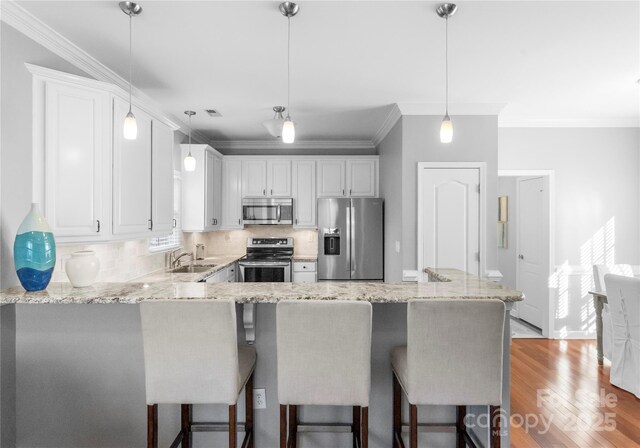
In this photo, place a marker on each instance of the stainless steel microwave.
(267, 211)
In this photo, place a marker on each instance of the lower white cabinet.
(304, 272)
(226, 275)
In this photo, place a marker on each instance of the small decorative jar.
(82, 268)
(34, 251)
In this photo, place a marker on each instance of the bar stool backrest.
(324, 352)
(454, 352)
(190, 352)
(600, 270)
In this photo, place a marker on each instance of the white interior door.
(533, 244)
(451, 218)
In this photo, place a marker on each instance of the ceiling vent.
(213, 113)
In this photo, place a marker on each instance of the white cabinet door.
(162, 179)
(254, 178)
(217, 192)
(77, 161)
(209, 192)
(193, 191)
(304, 193)
(362, 178)
(331, 178)
(232, 194)
(131, 174)
(279, 178)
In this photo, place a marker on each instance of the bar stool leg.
(494, 415)
(365, 427)
(248, 407)
(186, 425)
(293, 426)
(413, 425)
(397, 411)
(356, 427)
(461, 427)
(233, 434)
(283, 426)
(152, 426)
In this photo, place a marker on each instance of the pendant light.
(274, 126)
(288, 9)
(130, 127)
(189, 161)
(445, 11)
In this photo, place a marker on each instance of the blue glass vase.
(34, 251)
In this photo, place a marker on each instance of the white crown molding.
(454, 108)
(622, 122)
(277, 144)
(392, 118)
(22, 20)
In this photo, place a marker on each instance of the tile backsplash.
(234, 242)
(119, 262)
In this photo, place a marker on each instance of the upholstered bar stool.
(453, 357)
(191, 356)
(324, 358)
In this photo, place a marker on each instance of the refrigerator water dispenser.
(332, 242)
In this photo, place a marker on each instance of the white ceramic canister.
(82, 268)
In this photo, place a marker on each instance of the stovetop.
(269, 249)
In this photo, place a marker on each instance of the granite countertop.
(305, 258)
(453, 284)
(166, 276)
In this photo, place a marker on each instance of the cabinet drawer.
(304, 267)
(304, 277)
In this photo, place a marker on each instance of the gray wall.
(390, 150)
(507, 257)
(475, 140)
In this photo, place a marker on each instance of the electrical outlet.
(259, 399)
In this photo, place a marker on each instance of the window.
(173, 240)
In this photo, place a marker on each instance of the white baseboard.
(573, 335)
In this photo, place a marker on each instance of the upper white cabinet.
(202, 190)
(362, 178)
(356, 177)
(266, 178)
(131, 174)
(162, 179)
(77, 161)
(94, 184)
(232, 194)
(331, 178)
(304, 193)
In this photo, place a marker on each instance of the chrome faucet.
(174, 260)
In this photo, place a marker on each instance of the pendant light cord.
(130, 60)
(446, 64)
(288, 65)
(190, 135)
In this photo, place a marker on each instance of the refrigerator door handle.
(354, 267)
(349, 236)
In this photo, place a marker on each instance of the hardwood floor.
(560, 397)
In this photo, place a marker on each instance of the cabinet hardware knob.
(150, 224)
(350, 191)
(264, 192)
(98, 221)
(342, 192)
(272, 192)
(238, 221)
(175, 223)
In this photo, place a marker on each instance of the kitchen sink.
(193, 269)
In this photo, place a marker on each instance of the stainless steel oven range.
(267, 260)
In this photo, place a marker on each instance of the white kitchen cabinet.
(331, 178)
(304, 193)
(279, 178)
(232, 194)
(264, 177)
(254, 177)
(304, 272)
(131, 174)
(202, 190)
(362, 178)
(227, 274)
(77, 157)
(162, 179)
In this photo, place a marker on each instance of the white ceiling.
(549, 63)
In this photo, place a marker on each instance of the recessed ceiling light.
(213, 113)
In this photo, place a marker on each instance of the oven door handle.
(266, 264)
(278, 213)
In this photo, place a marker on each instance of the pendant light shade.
(274, 126)
(189, 161)
(445, 11)
(288, 131)
(288, 9)
(446, 130)
(130, 127)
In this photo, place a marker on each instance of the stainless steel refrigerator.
(350, 239)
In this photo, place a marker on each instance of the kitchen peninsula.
(120, 326)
